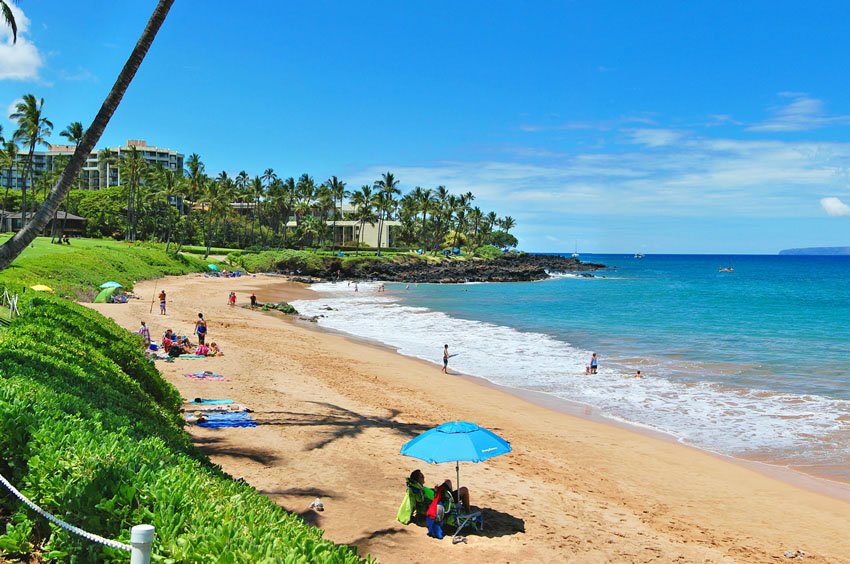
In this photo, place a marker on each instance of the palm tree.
(462, 209)
(74, 133)
(290, 194)
(8, 160)
(192, 189)
(16, 245)
(33, 129)
(131, 168)
(255, 190)
(338, 194)
(425, 200)
(475, 217)
(362, 202)
(10, 19)
(168, 184)
(507, 223)
(388, 186)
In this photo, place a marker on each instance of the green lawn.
(76, 270)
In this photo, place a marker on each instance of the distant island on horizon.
(817, 251)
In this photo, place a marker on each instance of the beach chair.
(449, 513)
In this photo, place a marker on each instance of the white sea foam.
(741, 422)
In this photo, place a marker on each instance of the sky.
(653, 127)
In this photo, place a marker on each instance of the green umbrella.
(213, 267)
(104, 295)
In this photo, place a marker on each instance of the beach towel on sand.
(204, 376)
(211, 401)
(217, 420)
(192, 356)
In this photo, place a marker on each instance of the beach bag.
(405, 511)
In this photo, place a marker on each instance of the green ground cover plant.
(90, 431)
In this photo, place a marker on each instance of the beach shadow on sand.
(215, 446)
(341, 423)
(496, 524)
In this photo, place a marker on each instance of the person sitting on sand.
(417, 477)
(187, 346)
(202, 350)
(214, 350)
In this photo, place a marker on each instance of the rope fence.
(141, 536)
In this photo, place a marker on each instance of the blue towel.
(212, 401)
(231, 419)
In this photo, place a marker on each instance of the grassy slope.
(76, 270)
(91, 431)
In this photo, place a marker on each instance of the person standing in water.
(445, 359)
(593, 366)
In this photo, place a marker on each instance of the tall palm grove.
(191, 207)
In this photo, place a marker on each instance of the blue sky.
(620, 126)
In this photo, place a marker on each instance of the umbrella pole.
(152, 299)
(457, 469)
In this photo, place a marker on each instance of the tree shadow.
(213, 446)
(341, 423)
(364, 541)
(301, 492)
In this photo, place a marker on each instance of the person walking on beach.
(162, 302)
(445, 359)
(231, 300)
(201, 329)
(593, 366)
(253, 300)
(145, 333)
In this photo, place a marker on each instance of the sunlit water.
(752, 363)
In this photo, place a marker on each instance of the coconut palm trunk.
(16, 245)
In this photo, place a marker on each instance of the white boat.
(638, 255)
(725, 269)
(575, 251)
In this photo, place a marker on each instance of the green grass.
(76, 270)
(90, 431)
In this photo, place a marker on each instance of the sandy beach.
(334, 412)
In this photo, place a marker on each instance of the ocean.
(752, 363)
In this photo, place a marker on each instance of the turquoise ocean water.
(754, 363)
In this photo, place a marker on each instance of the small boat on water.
(725, 269)
(638, 255)
(575, 251)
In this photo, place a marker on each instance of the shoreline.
(333, 414)
(836, 489)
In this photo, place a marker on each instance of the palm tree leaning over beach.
(16, 245)
(33, 129)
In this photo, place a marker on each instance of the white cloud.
(803, 113)
(655, 137)
(20, 60)
(13, 107)
(694, 177)
(834, 207)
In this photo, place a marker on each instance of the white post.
(141, 539)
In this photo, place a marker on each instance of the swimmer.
(637, 375)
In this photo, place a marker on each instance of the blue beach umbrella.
(110, 284)
(213, 267)
(456, 441)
